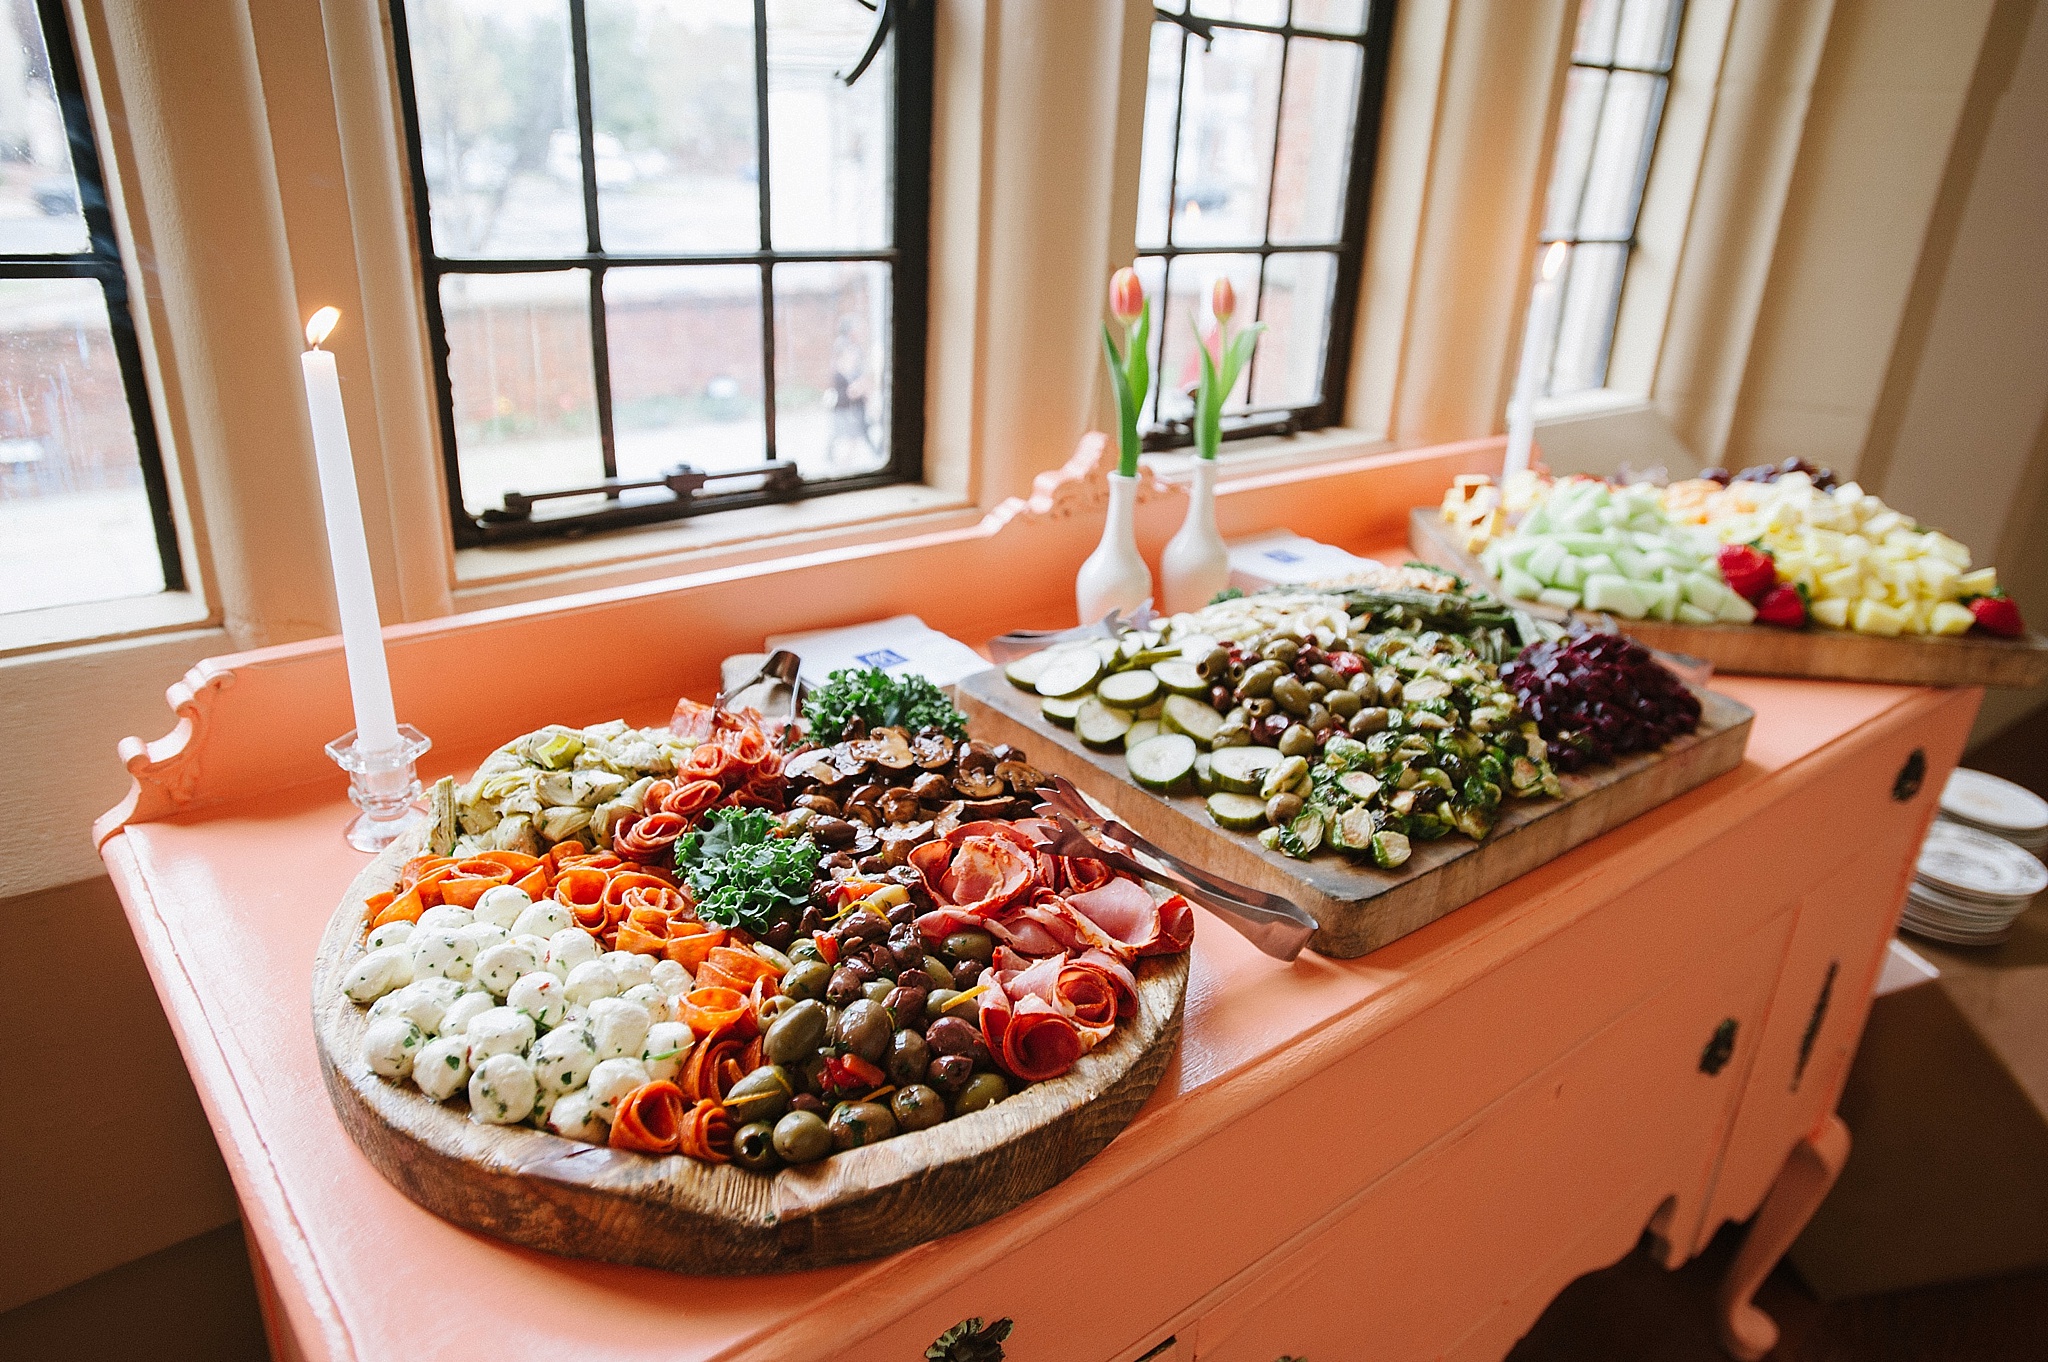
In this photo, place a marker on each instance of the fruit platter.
(740, 995)
(1380, 749)
(1778, 570)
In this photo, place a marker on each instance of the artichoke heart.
(515, 833)
(560, 822)
(634, 796)
(551, 748)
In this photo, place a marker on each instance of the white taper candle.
(1543, 305)
(369, 682)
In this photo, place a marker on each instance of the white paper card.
(1282, 556)
(897, 646)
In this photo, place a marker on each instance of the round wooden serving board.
(586, 1201)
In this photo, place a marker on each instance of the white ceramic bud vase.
(1195, 565)
(1114, 577)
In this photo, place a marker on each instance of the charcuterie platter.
(723, 998)
(1777, 572)
(1378, 752)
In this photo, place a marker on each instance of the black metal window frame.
(101, 262)
(1660, 72)
(1377, 41)
(909, 24)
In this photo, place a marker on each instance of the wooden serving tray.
(1761, 650)
(1357, 908)
(585, 1201)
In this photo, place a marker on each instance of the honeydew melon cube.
(1947, 617)
(1559, 597)
(1583, 544)
(1520, 584)
(1661, 597)
(1542, 564)
(1875, 617)
(1664, 560)
(1703, 591)
(1613, 517)
(1516, 552)
(1492, 558)
(1982, 582)
(1581, 520)
(1648, 542)
(1537, 520)
(1597, 563)
(1734, 610)
(1688, 613)
(1614, 594)
(1631, 564)
(1834, 613)
(1571, 573)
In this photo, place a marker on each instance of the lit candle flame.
(1553, 261)
(321, 324)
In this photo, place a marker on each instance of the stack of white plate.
(1969, 886)
(1999, 807)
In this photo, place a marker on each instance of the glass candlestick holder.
(383, 785)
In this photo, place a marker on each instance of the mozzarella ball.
(659, 1008)
(462, 1011)
(668, 1045)
(423, 1002)
(569, 948)
(543, 919)
(442, 951)
(611, 1080)
(501, 1091)
(591, 980)
(500, 967)
(442, 1067)
(377, 974)
(618, 1028)
(501, 907)
(390, 934)
(633, 970)
(671, 978)
(446, 915)
(486, 935)
(543, 1106)
(390, 1045)
(575, 1117)
(539, 996)
(499, 1031)
(563, 1059)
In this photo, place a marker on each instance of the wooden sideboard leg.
(1746, 1332)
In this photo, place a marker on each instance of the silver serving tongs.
(1273, 924)
(783, 666)
(1019, 642)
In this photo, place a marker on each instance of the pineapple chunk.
(1947, 617)
(1875, 617)
(1945, 547)
(1937, 575)
(1843, 581)
(1833, 613)
(1982, 582)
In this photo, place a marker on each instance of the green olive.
(1261, 708)
(805, 949)
(762, 1095)
(1318, 719)
(1258, 680)
(802, 1137)
(982, 1090)
(796, 1035)
(864, 1030)
(908, 1056)
(1364, 686)
(807, 979)
(854, 1124)
(936, 1000)
(1291, 695)
(1282, 808)
(753, 1147)
(1343, 703)
(970, 945)
(935, 970)
(1232, 735)
(917, 1107)
(1215, 664)
(1328, 677)
(1390, 689)
(877, 990)
(1297, 741)
(1369, 721)
(1282, 651)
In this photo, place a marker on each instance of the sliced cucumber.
(1060, 709)
(1025, 671)
(1128, 690)
(1238, 812)
(1162, 762)
(1152, 710)
(1191, 717)
(1181, 678)
(1071, 673)
(1141, 730)
(1241, 770)
(1205, 773)
(1101, 725)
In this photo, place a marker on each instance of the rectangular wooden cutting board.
(1761, 650)
(1357, 908)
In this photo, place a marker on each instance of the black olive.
(863, 924)
(950, 1073)
(952, 1036)
(966, 974)
(812, 922)
(845, 985)
(906, 1005)
(903, 914)
(906, 946)
(808, 1101)
(780, 935)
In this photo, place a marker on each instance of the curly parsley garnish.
(880, 700)
(742, 876)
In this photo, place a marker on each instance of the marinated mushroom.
(932, 750)
(1020, 776)
(980, 782)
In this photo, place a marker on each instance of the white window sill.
(503, 574)
(63, 626)
(1592, 402)
(1272, 454)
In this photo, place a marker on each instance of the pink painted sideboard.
(1402, 1156)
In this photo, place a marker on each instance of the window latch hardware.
(779, 478)
(1193, 23)
(885, 15)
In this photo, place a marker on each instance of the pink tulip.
(1126, 295)
(1222, 300)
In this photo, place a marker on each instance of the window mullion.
(600, 336)
(761, 170)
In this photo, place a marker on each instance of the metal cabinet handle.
(1720, 1048)
(1910, 776)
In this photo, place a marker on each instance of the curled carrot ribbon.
(650, 1119)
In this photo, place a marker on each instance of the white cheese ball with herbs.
(574, 1116)
(589, 981)
(390, 1046)
(423, 1001)
(442, 951)
(486, 935)
(659, 1007)
(633, 969)
(442, 1067)
(462, 1011)
(500, 967)
(501, 906)
(610, 1081)
(671, 978)
(500, 1031)
(618, 1028)
(540, 996)
(446, 915)
(390, 934)
(378, 973)
(501, 1090)
(543, 920)
(668, 1045)
(563, 1059)
(569, 948)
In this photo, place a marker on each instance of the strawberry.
(1750, 572)
(1997, 614)
(1782, 606)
